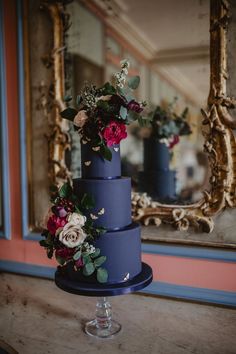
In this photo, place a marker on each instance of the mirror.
(169, 49)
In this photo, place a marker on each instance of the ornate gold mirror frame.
(220, 144)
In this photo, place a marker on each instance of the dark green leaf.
(102, 275)
(133, 82)
(67, 98)
(87, 202)
(65, 190)
(108, 89)
(123, 112)
(43, 243)
(77, 255)
(96, 253)
(106, 153)
(78, 99)
(69, 113)
(88, 269)
(50, 252)
(60, 260)
(99, 261)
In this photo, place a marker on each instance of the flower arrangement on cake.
(166, 126)
(104, 112)
(69, 235)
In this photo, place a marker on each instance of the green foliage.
(78, 100)
(67, 98)
(77, 255)
(123, 112)
(108, 89)
(69, 113)
(106, 152)
(65, 191)
(88, 269)
(99, 261)
(96, 253)
(87, 202)
(60, 260)
(102, 275)
(133, 82)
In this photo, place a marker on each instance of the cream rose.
(76, 219)
(80, 118)
(72, 235)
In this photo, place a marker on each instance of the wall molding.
(204, 295)
(5, 232)
(192, 252)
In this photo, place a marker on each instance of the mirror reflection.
(168, 48)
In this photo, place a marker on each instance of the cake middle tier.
(112, 199)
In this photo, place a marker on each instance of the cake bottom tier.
(122, 249)
(160, 185)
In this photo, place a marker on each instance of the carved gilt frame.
(220, 143)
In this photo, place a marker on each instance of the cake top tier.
(95, 166)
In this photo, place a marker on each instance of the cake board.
(103, 326)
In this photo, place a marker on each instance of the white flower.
(80, 118)
(72, 235)
(76, 219)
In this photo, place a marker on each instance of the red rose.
(114, 133)
(134, 106)
(54, 222)
(65, 253)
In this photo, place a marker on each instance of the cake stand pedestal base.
(103, 326)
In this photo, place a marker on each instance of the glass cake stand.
(103, 326)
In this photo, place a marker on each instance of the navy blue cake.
(157, 179)
(121, 243)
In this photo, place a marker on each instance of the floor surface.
(38, 318)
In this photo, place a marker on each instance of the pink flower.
(59, 211)
(114, 133)
(173, 141)
(79, 263)
(134, 106)
(54, 222)
(65, 253)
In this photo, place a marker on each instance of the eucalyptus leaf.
(77, 255)
(123, 112)
(99, 261)
(96, 253)
(102, 275)
(133, 82)
(69, 113)
(88, 269)
(86, 259)
(132, 116)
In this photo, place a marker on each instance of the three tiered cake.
(121, 243)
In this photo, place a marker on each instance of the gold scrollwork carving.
(220, 144)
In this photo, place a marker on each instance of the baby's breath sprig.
(120, 77)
